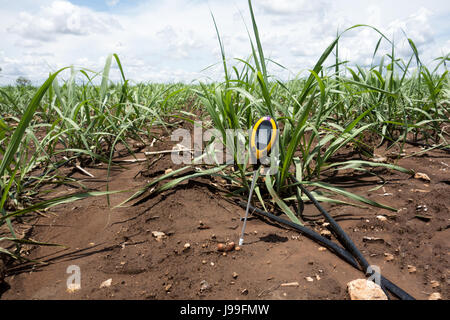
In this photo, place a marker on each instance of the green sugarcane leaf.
(280, 202)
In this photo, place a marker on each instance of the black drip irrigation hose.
(340, 234)
(341, 252)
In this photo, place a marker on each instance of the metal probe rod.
(241, 239)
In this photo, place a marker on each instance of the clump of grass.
(321, 115)
(60, 124)
(45, 128)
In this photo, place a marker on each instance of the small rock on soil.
(362, 289)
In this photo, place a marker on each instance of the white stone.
(106, 283)
(290, 284)
(435, 296)
(362, 289)
(158, 235)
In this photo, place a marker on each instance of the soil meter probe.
(262, 139)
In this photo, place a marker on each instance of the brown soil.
(117, 243)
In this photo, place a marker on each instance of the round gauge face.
(264, 134)
(263, 137)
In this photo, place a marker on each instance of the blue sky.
(175, 40)
(109, 5)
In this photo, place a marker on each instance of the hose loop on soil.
(338, 250)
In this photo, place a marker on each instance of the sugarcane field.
(206, 150)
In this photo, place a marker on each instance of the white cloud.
(288, 7)
(61, 17)
(174, 40)
(179, 41)
(112, 3)
(416, 26)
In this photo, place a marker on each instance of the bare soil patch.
(118, 244)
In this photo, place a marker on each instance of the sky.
(175, 40)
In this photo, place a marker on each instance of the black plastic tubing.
(338, 250)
